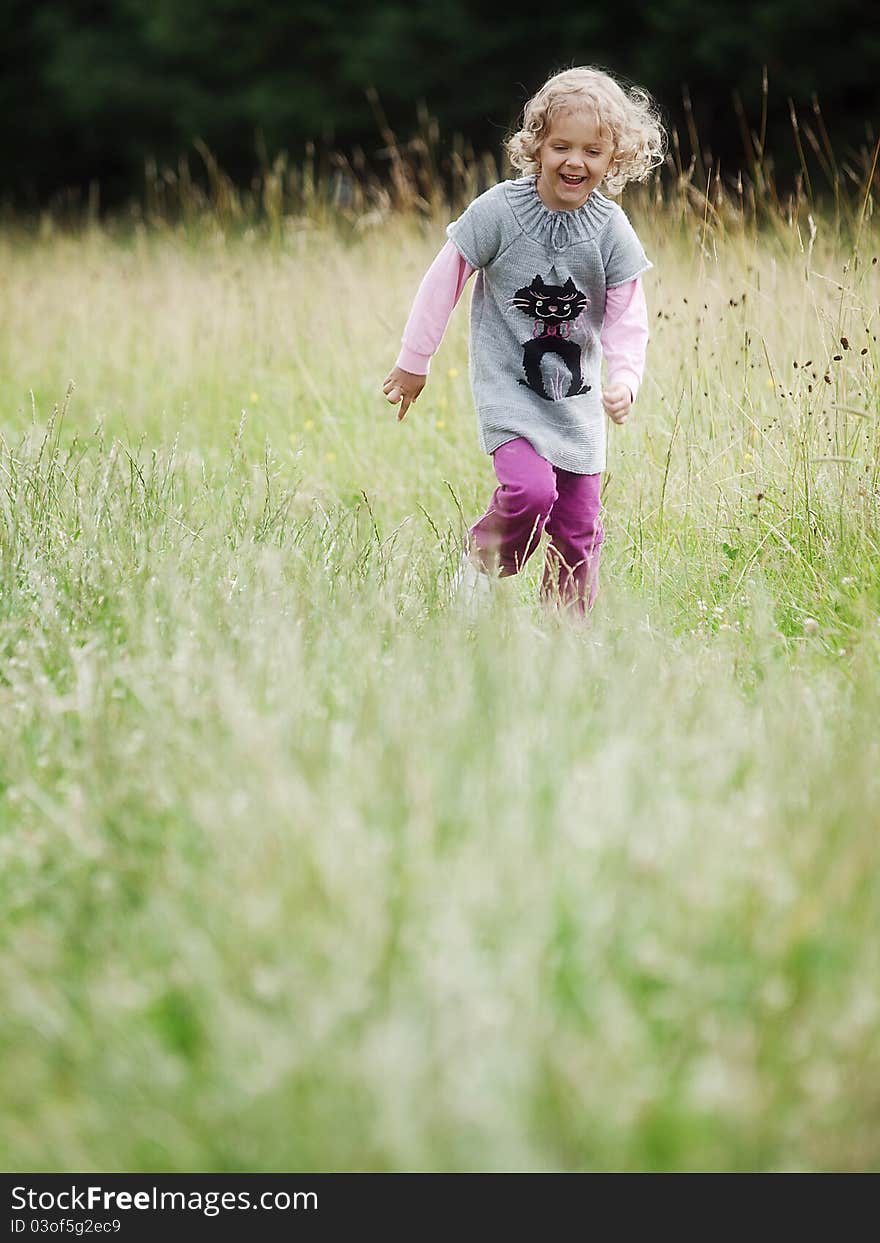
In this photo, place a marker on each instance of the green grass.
(301, 872)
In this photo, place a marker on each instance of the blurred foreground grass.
(299, 871)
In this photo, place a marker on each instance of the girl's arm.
(624, 335)
(437, 295)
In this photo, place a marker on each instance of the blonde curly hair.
(630, 116)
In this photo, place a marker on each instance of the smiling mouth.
(572, 181)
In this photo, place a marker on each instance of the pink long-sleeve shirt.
(624, 335)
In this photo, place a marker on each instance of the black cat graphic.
(554, 308)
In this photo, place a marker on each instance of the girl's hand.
(617, 400)
(404, 387)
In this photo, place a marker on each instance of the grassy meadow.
(301, 869)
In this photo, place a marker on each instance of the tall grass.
(301, 869)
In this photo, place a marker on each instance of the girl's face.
(574, 157)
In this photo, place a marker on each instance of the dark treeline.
(90, 89)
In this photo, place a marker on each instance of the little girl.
(558, 287)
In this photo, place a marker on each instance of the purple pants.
(534, 495)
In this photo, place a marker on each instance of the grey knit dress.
(536, 317)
